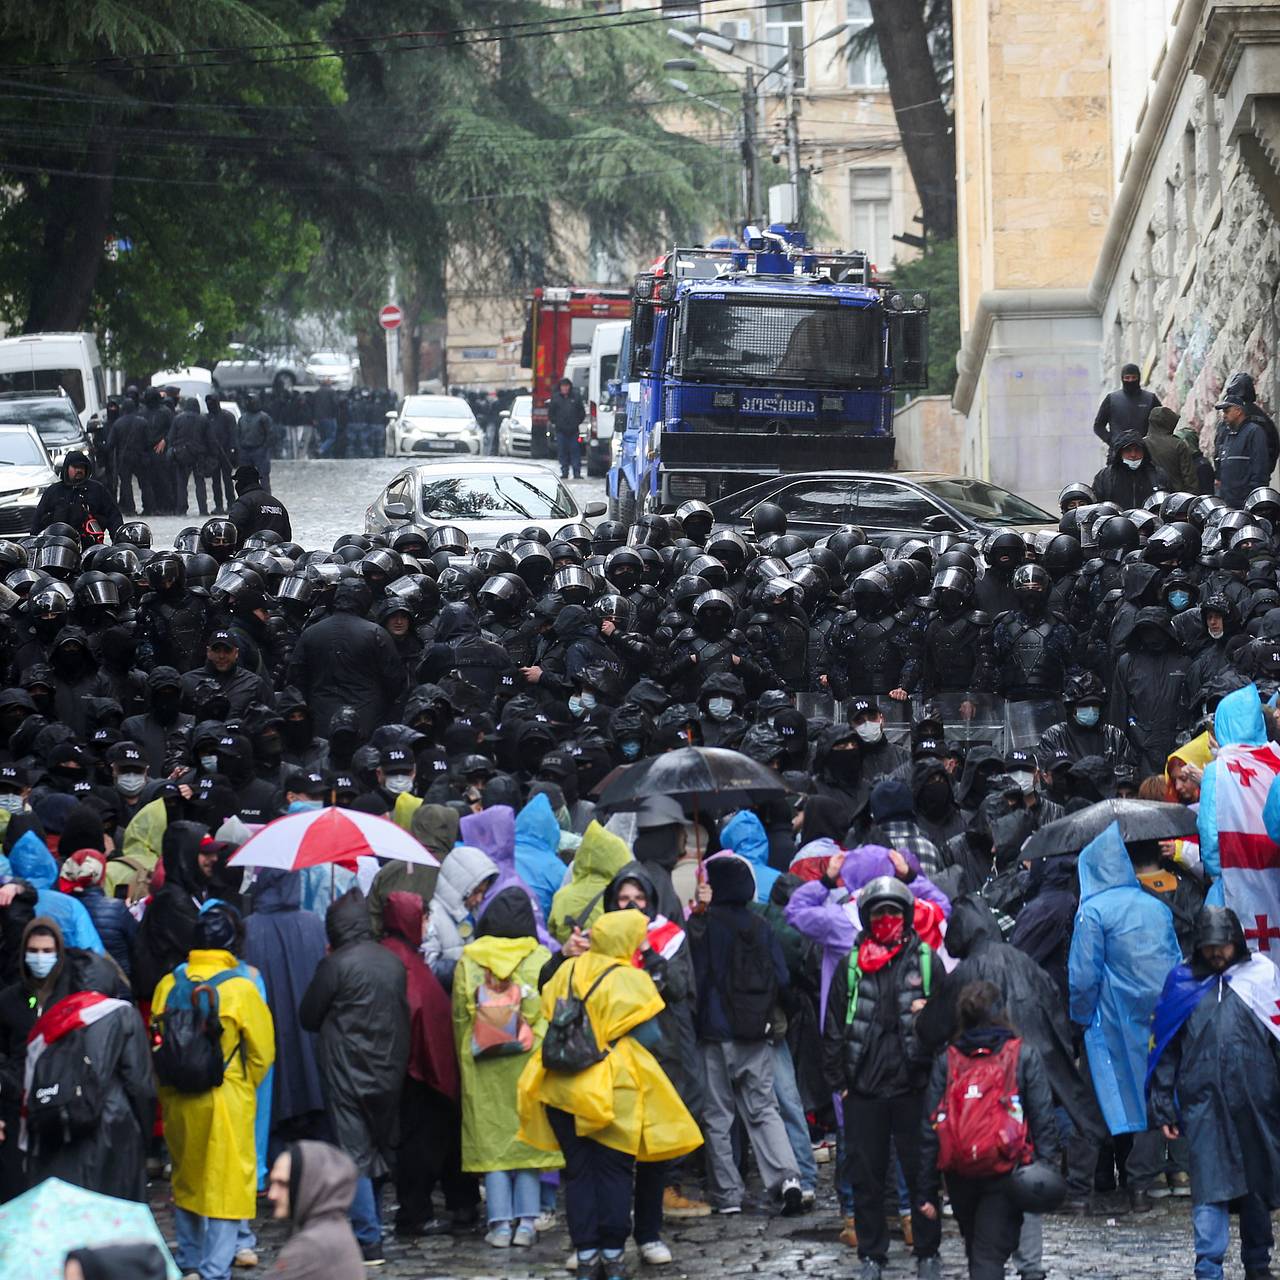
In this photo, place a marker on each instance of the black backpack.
(188, 1051)
(569, 1045)
(749, 990)
(65, 1098)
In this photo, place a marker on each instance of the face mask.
(399, 783)
(934, 795)
(1132, 463)
(165, 706)
(576, 706)
(130, 784)
(887, 929)
(720, 708)
(1088, 716)
(1179, 600)
(1216, 629)
(1154, 643)
(1025, 779)
(41, 963)
(11, 802)
(209, 764)
(589, 700)
(1129, 388)
(630, 750)
(845, 765)
(305, 806)
(869, 731)
(297, 733)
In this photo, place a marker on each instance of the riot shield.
(1025, 722)
(971, 719)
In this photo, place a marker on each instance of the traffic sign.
(390, 316)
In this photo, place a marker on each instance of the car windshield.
(53, 418)
(17, 449)
(501, 496)
(328, 357)
(522, 406)
(986, 503)
(436, 407)
(821, 344)
(68, 380)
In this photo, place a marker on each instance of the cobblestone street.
(1154, 1246)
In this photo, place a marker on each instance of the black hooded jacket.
(256, 510)
(1124, 413)
(1128, 487)
(74, 504)
(168, 929)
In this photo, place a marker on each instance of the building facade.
(1119, 180)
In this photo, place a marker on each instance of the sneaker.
(525, 1236)
(499, 1235)
(1140, 1200)
(653, 1253)
(547, 1220)
(929, 1268)
(849, 1234)
(870, 1270)
(792, 1198)
(245, 1258)
(1180, 1183)
(674, 1205)
(808, 1198)
(614, 1268)
(727, 1210)
(373, 1255)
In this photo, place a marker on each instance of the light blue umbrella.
(43, 1225)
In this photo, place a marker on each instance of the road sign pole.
(390, 318)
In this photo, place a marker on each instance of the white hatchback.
(433, 425)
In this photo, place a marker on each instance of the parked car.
(515, 429)
(884, 504)
(251, 369)
(602, 370)
(331, 366)
(433, 424)
(53, 415)
(68, 362)
(485, 499)
(25, 473)
(195, 381)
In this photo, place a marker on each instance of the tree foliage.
(937, 273)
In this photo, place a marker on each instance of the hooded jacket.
(73, 504)
(1124, 412)
(1124, 485)
(1242, 460)
(1122, 950)
(1170, 454)
(286, 945)
(537, 858)
(322, 1182)
(1147, 695)
(356, 1003)
(435, 827)
(72, 687)
(451, 925)
(31, 861)
(744, 834)
(599, 858)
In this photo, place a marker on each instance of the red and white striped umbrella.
(319, 836)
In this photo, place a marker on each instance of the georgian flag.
(70, 1014)
(1257, 983)
(1249, 858)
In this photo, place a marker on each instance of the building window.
(1190, 184)
(871, 192)
(783, 32)
(680, 9)
(866, 71)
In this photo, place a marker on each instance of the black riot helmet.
(166, 573)
(952, 591)
(409, 542)
(729, 547)
(60, 529)
(505, 594)
(608, 536)
(202, 569)
(780, 593)
(13, 555)
(57, 560)
(1176, 506)
(533, 564)
(357, 540)
(713, 612)
(1116, 536)
(957, 559)
(490, 561)
(768, 518)
(1076, 494)
(219, 539)
(296, 593)
(137, 532)
(687, 589)
(710, 568)
(861, 558)
(1062, 555)
(187, 540)
(1005, 551)
(782, 545)
(873, 594)
(577, 533)
(695, 518)
(624, 568)
(617, 609)
(1031, 585)
(564, 553)
(380, 566)
(573, 584)
(1264, 502)
(1167, 546)
(95, 590)
(448, 537)
(844, 540)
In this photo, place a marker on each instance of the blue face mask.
(1178, 600)
(630, 750)
(1088, 716)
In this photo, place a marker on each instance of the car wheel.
(285, 382)
(626, 504)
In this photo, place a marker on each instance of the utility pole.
(393, 346)
(750, 174)
(793, 146)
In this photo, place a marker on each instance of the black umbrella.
(1138, 819)
(707, 778)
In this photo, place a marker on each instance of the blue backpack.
(187, 1050)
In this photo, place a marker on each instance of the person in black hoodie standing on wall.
(1124, 412)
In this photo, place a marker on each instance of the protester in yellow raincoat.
(500, 970)
(1183, 771)
(599, 858)
(620, 1110)
(211, 1135)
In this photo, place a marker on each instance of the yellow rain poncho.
(406, 806)
(626, 1101)
(211, 1135)
(143, 842)
(489, 1122)
(599, 858)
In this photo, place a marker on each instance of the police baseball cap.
(397, 760)
(1230, 402)
(223, 638)
(863, 707)
(12, 778)
(1019, 760)
(309, 782)
(929, 747)
(345, 782)
(126, 754)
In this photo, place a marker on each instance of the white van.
(53, 361)
(606, 343)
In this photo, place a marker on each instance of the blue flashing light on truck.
(748, 362)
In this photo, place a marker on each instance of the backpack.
(749, 989)
(138, 885)
(65, 1097)
(979, 1122)
(569, 1045)
(500, 1028)
(187, 1050)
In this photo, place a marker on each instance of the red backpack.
(979, 1122)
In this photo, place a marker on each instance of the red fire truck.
(561, 322)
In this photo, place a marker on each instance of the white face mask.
(1132, 463)
(1026, 781)
(130, 784)
(399, 783)
(11, 802)
(720, 708)
(869, 730)
(1216, 628)
(41, 962)
(209, 764)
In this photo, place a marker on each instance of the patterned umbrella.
(318, 836)
(43, 1225)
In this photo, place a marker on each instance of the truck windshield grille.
(810, 343)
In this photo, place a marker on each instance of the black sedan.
(913, 503)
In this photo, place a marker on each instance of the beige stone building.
(1118, 199)
(858, 178)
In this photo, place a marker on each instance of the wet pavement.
(1153, 1246)
(327, 498)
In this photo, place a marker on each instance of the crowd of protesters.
(629, 1015)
